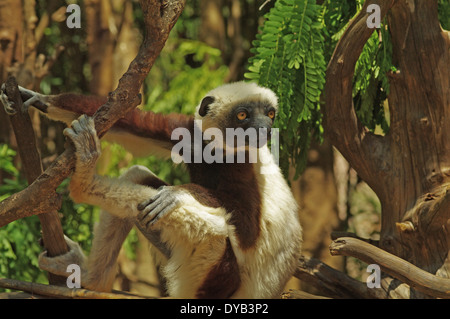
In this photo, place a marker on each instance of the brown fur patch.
(234, 187)
(223, 279)
(241, 198)
(77, 103)
(154, 125)
(137, 122)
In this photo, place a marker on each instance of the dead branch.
(61, 292)
(394, 266)
(159, 20)
(333, 283)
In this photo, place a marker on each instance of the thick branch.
(396, 267)
(159, 20)
(332, 282)
(362, 149)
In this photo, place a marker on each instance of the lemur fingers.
(164, 202)
(84, 137)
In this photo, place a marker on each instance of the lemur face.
(244, 107)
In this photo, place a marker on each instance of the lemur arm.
(188, 210)
(142, 133)
(188, 223)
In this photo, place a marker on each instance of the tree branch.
(52, 233)
(159, 20)
(361, 148)
(333, 283)
(396, 267)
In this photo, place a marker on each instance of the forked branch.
(361, 148)
(159, 20)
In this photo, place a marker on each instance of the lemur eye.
(271, 114)
(241, 116)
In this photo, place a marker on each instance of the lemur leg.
(114, 195)
(29, 98)
(109, 236)
(100, 268)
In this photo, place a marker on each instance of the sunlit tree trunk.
(409, 168)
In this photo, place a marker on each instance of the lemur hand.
(163, 203)
(87, 145)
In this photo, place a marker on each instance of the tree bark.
(159, 20)
(416, 196)
(409, 168)
(52, 233)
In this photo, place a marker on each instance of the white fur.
(196, 235)
(267, 267)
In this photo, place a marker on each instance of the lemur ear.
(204, 106)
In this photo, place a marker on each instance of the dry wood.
(396, 267)
(408, 168)
(360, 148)
(61, 292)
(159, 20)
(333, 283)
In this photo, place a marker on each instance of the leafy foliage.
(371, 83)
(444, 13)
(290, 56)
(19, 240)
(19, 247)
(289, 59)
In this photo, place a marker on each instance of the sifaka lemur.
(232, 232)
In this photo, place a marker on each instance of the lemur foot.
(9, 106)
(164, 202)
(84, 137)
(29, 97)
(58, 265)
